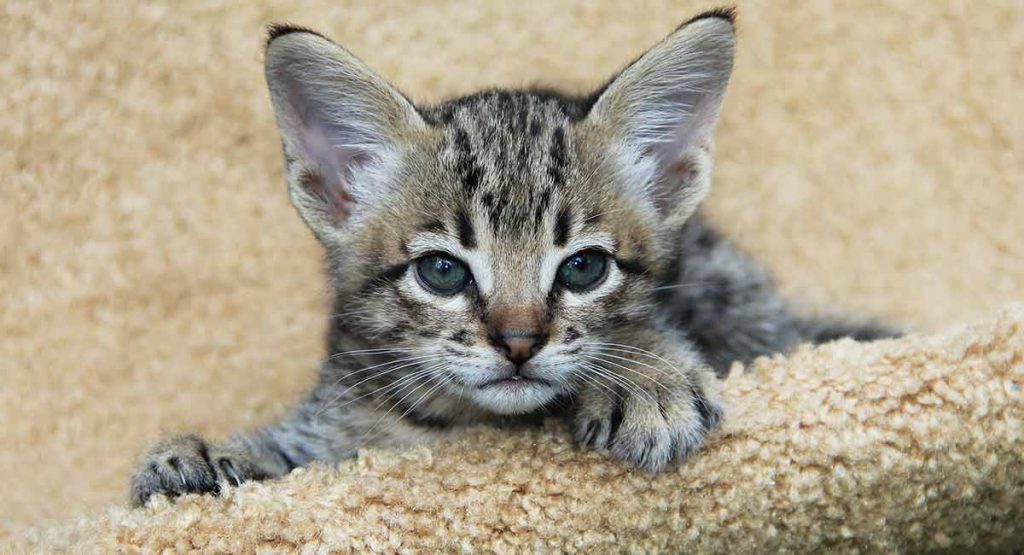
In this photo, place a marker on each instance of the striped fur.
(512, 184)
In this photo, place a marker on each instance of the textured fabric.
(907, 445)
(154, 278)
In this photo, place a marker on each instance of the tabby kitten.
(507, 255)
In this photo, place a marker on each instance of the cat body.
(505, 256)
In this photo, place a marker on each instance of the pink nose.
(517, 333)
(519, 348)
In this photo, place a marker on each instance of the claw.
(228, 468)
(176, 465)
(616, 421)
(591, 433)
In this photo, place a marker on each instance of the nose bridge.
(516, 278)
(515, 320)
(517, 331)
(515, 314)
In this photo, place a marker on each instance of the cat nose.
(517, 332)
(519, 346)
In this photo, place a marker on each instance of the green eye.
(583, 271)
(441, 274)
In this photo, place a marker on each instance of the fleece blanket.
(900, 446)
(154, 279)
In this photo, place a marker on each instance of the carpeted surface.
(154, 278)
(903, 446)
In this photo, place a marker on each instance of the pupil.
(442, 275)
(582, 270)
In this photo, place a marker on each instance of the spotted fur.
(512, 184)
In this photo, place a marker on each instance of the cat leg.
(328, 426)
(650, 403)
(191, 464)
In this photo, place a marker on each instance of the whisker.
(444, 381)
(399, 402)
(633, 349)
(619, 380)
(628, 385)
(669, 392)
(605, 349)
(417, 358)
(636, 349)
(689, 284)
(593, 381)
(628, 369)
(399, 383)
(353, 312)
(383, 350)
(459, 409)
(662, 371)
(405, 382)
(347, 375)
(406, 364)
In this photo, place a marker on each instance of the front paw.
(648, 428)
(188, 464)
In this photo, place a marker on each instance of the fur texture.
(521, 193)
(155, 280)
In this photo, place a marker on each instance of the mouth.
(514, 394)
(514, 383)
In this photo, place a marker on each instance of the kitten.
(506, 255)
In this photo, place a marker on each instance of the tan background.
(153, 276)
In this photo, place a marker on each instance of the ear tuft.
(275, 30)
(726, 13)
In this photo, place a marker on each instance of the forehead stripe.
(557, 154)
(433, 226)
(562, 226)
(467, 236)
(467, 168)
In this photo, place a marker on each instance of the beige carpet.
(154, 278)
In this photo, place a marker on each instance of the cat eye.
(441, 274)
(583, 271)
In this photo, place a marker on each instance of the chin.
(514, 399)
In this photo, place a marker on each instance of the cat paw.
(187, 464)
(650, 429)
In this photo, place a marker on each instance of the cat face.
(511, 250)
(492, 238)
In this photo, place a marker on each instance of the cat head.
(499, 234)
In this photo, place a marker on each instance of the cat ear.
(342, 126)
(662, 110)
